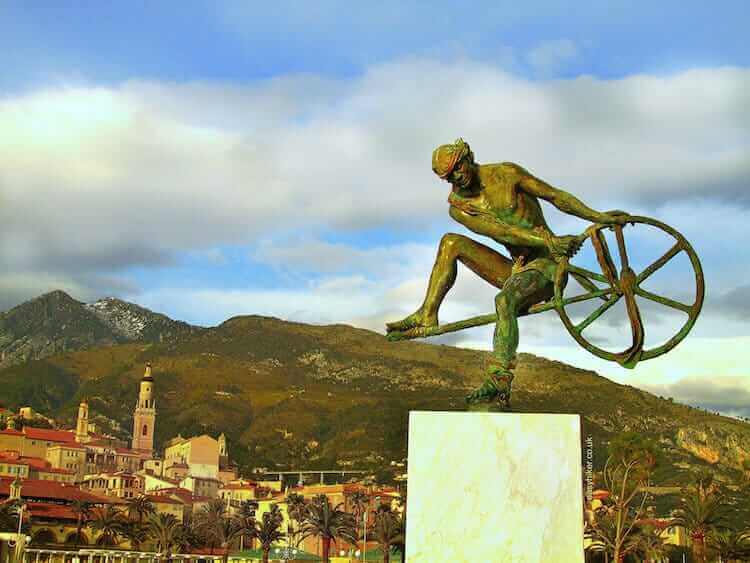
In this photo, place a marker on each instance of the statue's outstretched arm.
(561, 199)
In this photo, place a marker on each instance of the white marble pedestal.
(494, 487)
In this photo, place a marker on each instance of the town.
(79, 492)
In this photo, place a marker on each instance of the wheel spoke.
(668, 255)
(587, 296)
(598, 312)
(664, 300)
(621, 247)
(587, 273)
(585, 283)
(599, 241)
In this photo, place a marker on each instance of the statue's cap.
(445, 157)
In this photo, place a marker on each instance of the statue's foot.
(496, 388)
(413, 326)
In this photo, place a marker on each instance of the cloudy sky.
(208, 160)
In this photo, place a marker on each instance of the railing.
(103, 555)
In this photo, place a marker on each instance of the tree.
(207, 518)
(388, 532)
(8, 517)
(247, 512)
(109, 522)
(188, 536)
(631, 460)
(135, 532)
(225, 530)
(295, 508)
(650, 543)
(329, 523)
(730, 545)
(701, 512)
(268, 530)
(166, 532)
(218, 527)
(139, 507)
(82, 510)
(359, 501)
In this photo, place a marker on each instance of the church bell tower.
(144, 416)
(82, 423)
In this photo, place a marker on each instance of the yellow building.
(71, 457)
(13, 468)
(237, 493)
(11, 440)
(199, 453)
(120, 484)
(164, 504)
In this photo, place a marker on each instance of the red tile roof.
(11, 432)
(185, 495)
(53, 490)
(164, 499)
(47, 435)
(57, 470)
(68, 446)
(13, 458)
(239, 486)
(52, 511)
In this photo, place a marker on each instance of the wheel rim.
(627, 285)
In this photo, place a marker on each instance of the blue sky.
(213, 159)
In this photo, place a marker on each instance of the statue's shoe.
(496, 388)
(413, 321)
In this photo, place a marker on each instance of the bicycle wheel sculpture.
(626, 284)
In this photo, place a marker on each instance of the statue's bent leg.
(487, 263)
(519, 292)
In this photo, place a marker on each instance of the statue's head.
(454, 163)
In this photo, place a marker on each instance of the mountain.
(291, 395)
(56, 323)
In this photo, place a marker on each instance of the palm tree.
(329, 523)
(8, 517)
(82, 510)
(218, 527)
(268, 530)
(188, 536)
(139, 507)
(651, 546)
(359, 502)
(295, 508)
(730, 545)
(388, 532)
(225, 530)
(166, 531)
(605, 537)
(208, 518)
(701, 514)
(246, 512)
(109, 522)
(135, 532)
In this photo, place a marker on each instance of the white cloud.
(96, 180)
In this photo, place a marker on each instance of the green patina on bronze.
(501, 201)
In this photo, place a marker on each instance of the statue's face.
(462, 175)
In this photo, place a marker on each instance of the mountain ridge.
(55, 323)
(290, 394)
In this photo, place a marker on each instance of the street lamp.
(17, 541)
(364, 543)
